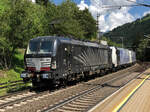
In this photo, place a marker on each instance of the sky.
(114, 17)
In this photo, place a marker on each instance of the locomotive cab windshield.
(40, 47)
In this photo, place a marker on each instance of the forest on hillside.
(135, 36)
(132, 32)
(22, 20)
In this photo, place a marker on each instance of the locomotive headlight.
(24, 75)
(45, 76)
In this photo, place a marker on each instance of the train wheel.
(63, 82)
(86, 76)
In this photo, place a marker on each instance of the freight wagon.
(122, 57)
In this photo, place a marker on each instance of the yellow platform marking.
(129, 95)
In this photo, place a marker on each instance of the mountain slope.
(132, 33)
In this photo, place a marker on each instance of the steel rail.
(17, 101)
(56, 106)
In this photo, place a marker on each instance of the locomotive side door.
(69, 57)
(67, 60)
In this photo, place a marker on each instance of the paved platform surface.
(133, 97)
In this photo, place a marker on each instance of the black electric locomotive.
(51, 59)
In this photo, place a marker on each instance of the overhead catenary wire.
(139, 4)
(110, 7)
(130, 5)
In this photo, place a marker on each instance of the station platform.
(133, 97)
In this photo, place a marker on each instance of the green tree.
(19, 23)
(87, 22)
(62, 22)
(143, 50)
(22, 20)
(110, 42)
(67, 20)
(42, 2)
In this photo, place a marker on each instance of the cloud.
(147, 12)
(32, 1)
(82, 5)
(115, 19)
(109, 18)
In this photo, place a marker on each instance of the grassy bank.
(17, 88)
(14, 74)
(18, 66)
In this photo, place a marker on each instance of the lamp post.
(120, 38)
(97, 25)
(147, 39)
(122, 41)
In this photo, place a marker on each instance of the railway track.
(67, 99)
(10, 100)
(18, 99)
(84, 101)
(10, 84)
(14, 88)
